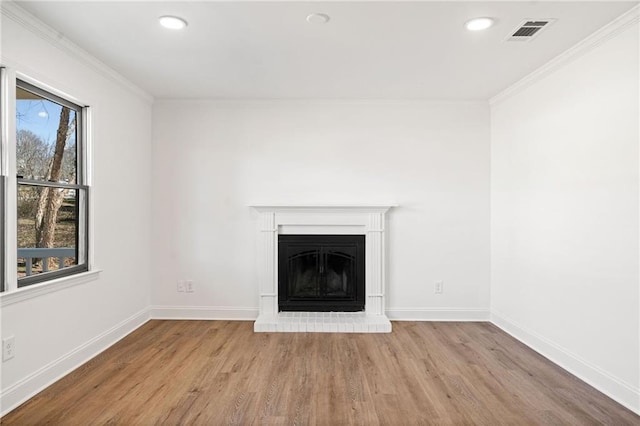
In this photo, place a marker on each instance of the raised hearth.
(368, 221)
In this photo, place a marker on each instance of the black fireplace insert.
(321, 273)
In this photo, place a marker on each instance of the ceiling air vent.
(529, 30)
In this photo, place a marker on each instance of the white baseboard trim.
(19, 392)
(224, 313)
(616, 389)
(251, 314)
(437, 314)
(623, 393)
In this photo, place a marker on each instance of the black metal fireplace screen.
(321, 273)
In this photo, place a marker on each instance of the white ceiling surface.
(368, 50)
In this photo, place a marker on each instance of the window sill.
(38, 290)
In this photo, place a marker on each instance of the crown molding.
(17, 14)
(609, 31)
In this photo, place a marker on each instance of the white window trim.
(9, 156)
(12, 294)
(51, 286)
(4, 136)
(3, 172)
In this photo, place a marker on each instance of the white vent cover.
(529, 29)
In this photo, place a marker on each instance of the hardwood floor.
(220, 372)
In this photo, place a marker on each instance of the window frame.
(4, 132)
(81, 187)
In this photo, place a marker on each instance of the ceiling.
(368, 50)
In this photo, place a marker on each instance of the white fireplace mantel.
(367, 220)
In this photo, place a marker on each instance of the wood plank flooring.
(220, 372)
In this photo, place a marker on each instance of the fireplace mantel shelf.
(365, 219)
(355, 207)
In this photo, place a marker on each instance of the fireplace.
(321, 273)
(284, 223)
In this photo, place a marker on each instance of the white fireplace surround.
(367, 220)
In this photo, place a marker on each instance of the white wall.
(564, 214)
(59, 330)
(565, 217)
(211, 160)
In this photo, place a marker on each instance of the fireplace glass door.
(321, 273)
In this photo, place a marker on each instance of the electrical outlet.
(180, 286)
(188, 286)
(439, 287)
(8, 348)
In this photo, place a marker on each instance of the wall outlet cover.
(8, 348)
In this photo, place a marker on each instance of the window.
(51, 192)
(3, 170)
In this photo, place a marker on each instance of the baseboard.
(16, 394)
(251, 314)
(616, 389)
(437, 314)
(204, 313)
(26, 388)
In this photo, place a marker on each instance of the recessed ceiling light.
(172, 22)
(478, 24)
(318, 18)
